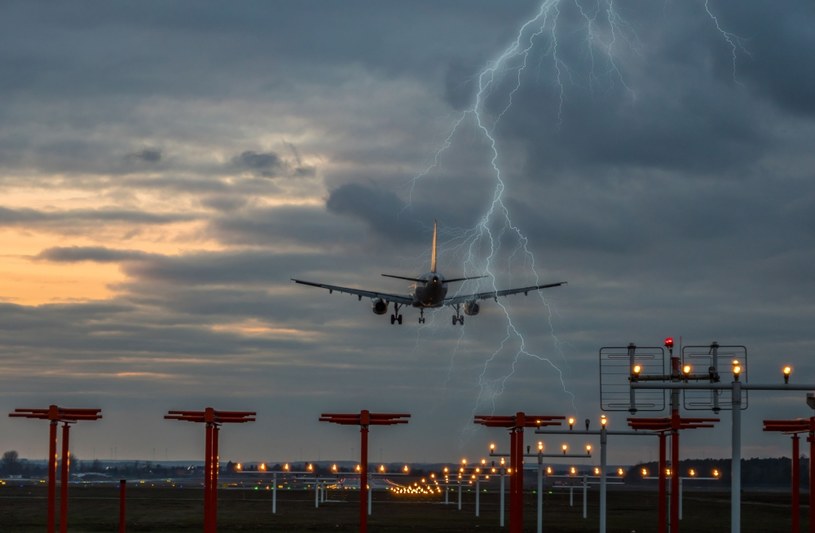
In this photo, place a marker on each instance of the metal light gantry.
(363, 419)
(793, 428)
(213, 419)
(516, 424)
(679, 381)
(55, 415)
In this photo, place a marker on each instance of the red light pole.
(516, 424)
(674, 424)
(800, 425)
(56, 415)
(213, 419)
(363, 420)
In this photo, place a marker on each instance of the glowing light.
(686, 369)
(787, 371)
(571, 422)
(603, 420)
(540, 445)
(565, 448)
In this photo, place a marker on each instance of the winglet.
(433, 252)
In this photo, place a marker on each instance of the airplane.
(429, 291)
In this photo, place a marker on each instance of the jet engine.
(380, 306)
(471, 308)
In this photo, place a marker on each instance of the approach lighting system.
(669, 342)
(571, 422)
(603, 420)
(363, 419)
(66, 416)
(213, 419)
(635, 372)
(787, 372)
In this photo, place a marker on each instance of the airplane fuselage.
(431, 292)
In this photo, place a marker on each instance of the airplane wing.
(453, 300)
(399, 298)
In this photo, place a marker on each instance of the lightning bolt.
(606, 32)
(733, 40)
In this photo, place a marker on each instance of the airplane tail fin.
(433, 252)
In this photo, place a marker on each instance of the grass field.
(96, 508)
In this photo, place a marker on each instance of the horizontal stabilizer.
(464, 279)
(417, 280)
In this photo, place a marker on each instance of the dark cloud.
(266, 164)
(56, 219)
(95, 254)
(147, 155)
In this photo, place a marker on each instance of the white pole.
(540, 493)
(585, 488)
(680, 498)
(370, 497)
(478, 495)
(603, 441)
(459, 495)
(316, 494)
(501, 522)
(446, 494)
(274, 493)
(735, 468)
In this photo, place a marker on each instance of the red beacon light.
(669, 342)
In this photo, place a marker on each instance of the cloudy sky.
(167, 167)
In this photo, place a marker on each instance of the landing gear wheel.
(393, 319)
(455, 319)
(461, 320)
(399, 319)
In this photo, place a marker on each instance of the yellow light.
(787, 372)
(286, 467)
(596, 470)
(483, 462)
(644, 472)
(540, 445)
(565, 447)
(238, 467)
(381, 468)
(464, 462)
(492, 447)
(405, 469)
(334, 468)
(637, 369)
(620, 472)
(686, 369)
(603, 420)
(716, 472)
(692, 472)
(588, 448)
(571, 422)
(503, 462)
(572, 470)
(446, 470)
(262, 467)
(548, 470)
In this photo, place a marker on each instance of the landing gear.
(396, 317)
(458, 317)
(421, 316)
